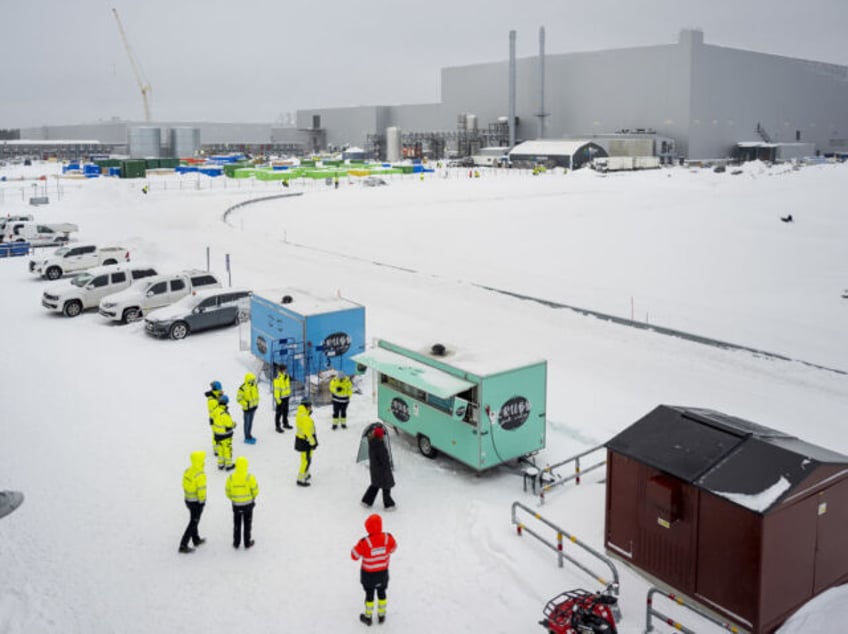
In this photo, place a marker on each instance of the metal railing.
(562, 556)
(537, 477)
(650, 612)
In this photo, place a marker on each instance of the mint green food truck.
(480, 409)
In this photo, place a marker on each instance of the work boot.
(230, 467)
(287, 426)
(249, 544)
(200, 540)
(302, 483)
(335, 427)
(366, 619)
(381, 618)
(280, 430)
(186, 549)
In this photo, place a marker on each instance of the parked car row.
(172, 304)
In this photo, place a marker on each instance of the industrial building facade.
(706, 98)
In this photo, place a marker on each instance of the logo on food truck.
(336, 344)
(514, 413)
(400, 409)
(261, 345)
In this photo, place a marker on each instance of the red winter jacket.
(375, 551)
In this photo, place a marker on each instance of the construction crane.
(143, 84)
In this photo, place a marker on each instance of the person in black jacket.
(381, 470)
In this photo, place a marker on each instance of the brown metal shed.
(745, 520)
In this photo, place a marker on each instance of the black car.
(201, 310)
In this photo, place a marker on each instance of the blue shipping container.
(308, 334)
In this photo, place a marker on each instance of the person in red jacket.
(374, 550)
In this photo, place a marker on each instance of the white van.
(86, 289)
(5, 220)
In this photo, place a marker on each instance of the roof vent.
(287, 299)
(438, 350)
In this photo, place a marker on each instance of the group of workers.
(242, 488)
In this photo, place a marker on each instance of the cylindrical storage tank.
(471, 122)
(393, 152)
(185, 142)
(145, 142)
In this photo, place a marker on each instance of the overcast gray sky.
(64, 62)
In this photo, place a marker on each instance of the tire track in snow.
(587, 312)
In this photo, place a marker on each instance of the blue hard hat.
(224, 399)
(216, 385)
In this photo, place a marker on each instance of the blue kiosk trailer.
(481, 409)
(309, 334)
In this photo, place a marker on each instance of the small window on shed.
(664, 498)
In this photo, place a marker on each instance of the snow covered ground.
(98, 420)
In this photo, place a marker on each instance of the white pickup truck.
(38, 235)
(161, 290)
(86, 289)
(75, 258)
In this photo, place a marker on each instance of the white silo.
(145, 142)
(471, 122)
(185, 142)
(393, 148)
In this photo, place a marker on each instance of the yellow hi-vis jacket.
(305, 425)
(212, 401)
(194, 479)
(341, 389)
(222, 422)
(248, 392)
(282, 386)
(242, 488)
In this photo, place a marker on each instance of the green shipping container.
(152, 163)
(108, 163)
(169, 163)
(133, 168)
(231, 168)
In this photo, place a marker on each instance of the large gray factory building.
(706, 98)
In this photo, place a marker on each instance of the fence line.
(613, 585)
(651, 611)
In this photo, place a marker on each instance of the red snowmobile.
(580, 612)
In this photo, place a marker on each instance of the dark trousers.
(195, 510)
(281, 415)
(374, 582)
(339, 410)
(248, 422)
(242, 516)
(371, 494)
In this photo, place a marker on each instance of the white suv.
(86, 289)
(162, 290)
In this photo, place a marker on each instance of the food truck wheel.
(426, 448)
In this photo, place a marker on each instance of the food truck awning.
(414, 373)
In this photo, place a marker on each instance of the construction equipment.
(143, 84)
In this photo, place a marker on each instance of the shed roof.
(305, 303)
(749, 464)
(549, 147)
